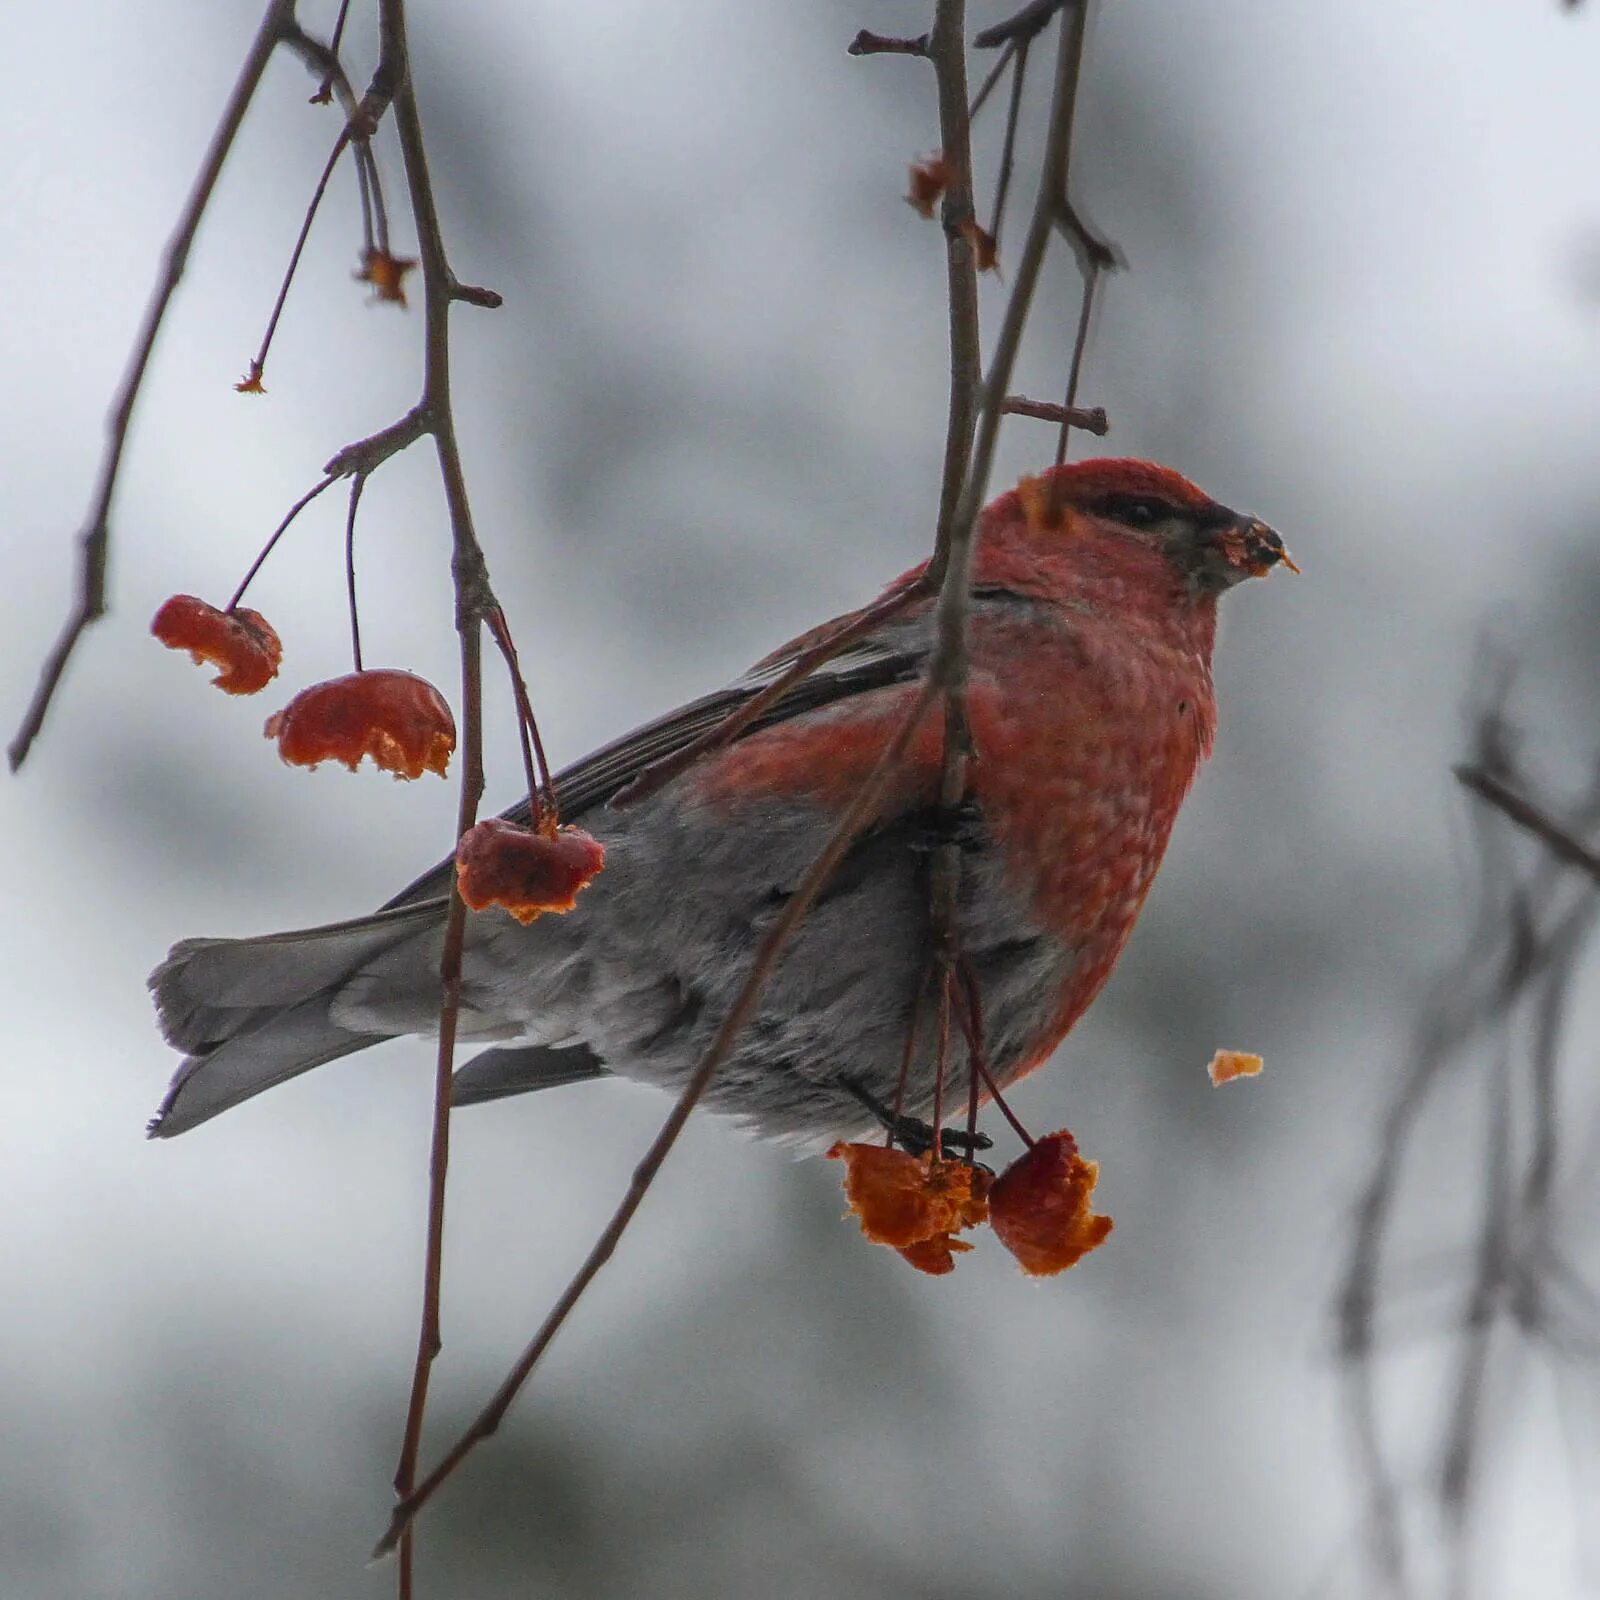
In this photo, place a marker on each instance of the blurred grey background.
(1364, 302)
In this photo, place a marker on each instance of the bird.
(1094, 590)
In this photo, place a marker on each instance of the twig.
(987, 87)
(907, 1053)
(472, 294)
(970, 1013)
(1009, 145)
(325, 92)
(772, 946)
(95, 538)
(955, 539)
(474, 600)
(367, 455)
(1025, 25)
(948, 51)
(867, 43)
(430, 1339)
(362, 117)
(1091, 281)
(941, 1061)
(357, 484)
(259, 363)
(276, 534)
(1047, 205)
(1091, 419)
(1526, 933)
(541, 790)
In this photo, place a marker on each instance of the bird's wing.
(897, 655)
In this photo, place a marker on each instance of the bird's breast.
(1083, 759)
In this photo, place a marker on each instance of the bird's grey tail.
(251, 1013)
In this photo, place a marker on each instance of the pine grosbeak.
(1093, 612)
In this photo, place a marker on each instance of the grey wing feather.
(595, 779)
(251, 1013)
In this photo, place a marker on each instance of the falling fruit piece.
(1226, 1065)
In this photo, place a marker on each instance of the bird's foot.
(961, 824)
(915, 1136)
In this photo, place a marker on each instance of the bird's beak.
(1253, 549)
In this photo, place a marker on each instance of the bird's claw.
(961, 824)
(915, 1136)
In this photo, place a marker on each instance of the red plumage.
(1087, 739)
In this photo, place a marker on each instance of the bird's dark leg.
(961, 824)
(914, 1135)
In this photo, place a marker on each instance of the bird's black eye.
(1137, 510)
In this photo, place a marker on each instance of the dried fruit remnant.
(1226, 1065)
(928, 180)
(523, 870)
(913, 1204)
(241, 642)
(386, 273)
(1039, 1207)
(985, 248)
(401, 721)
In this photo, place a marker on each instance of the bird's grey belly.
(648, 966)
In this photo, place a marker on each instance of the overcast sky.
(1364, 301)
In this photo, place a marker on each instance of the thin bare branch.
(987, 87)
(1080, 343)
(956, 537)
(867, 43)
(1090, 419)
(325, 91)
(259, 363)
(1009, 145)
(95, 538)
(948, 51)
(541, 790)
(277, 533)
(855, 819)
(365, 456)
(472, 294)
(1047, 206)
(1026, 24)
(357, 484)
(474, 600)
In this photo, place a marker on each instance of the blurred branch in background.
(1495, 1028)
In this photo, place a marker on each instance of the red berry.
(1039, 1207)
(523, 870)
(398, 719)
(912, 1203)
(241, 642)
